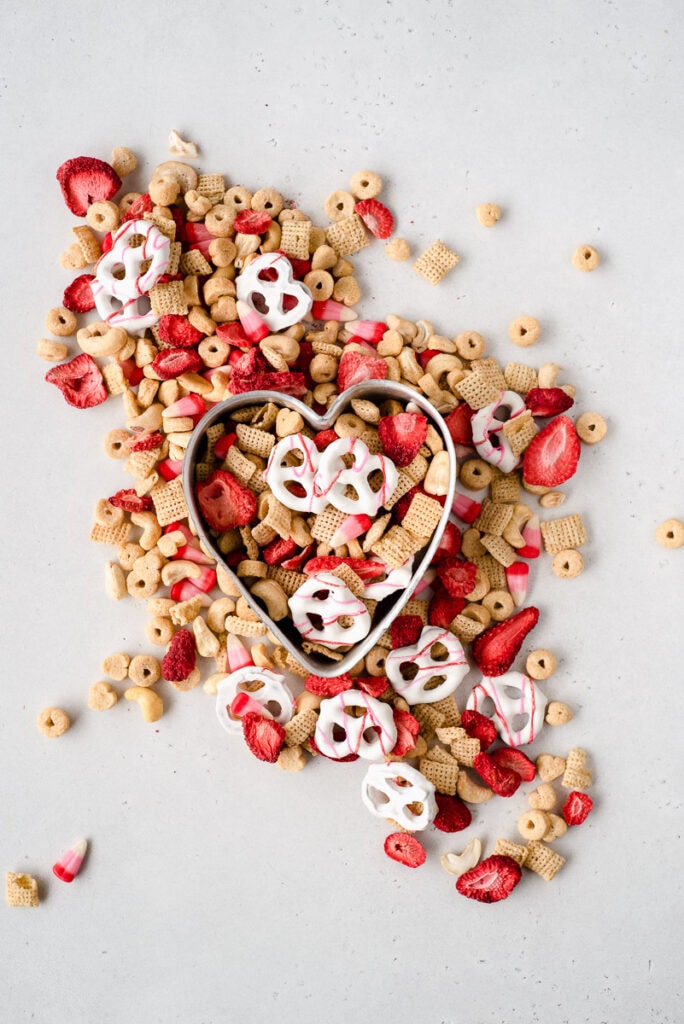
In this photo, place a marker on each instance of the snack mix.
(291, 543)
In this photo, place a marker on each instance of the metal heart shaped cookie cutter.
(390, 607)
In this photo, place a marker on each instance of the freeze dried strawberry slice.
(172, 362)
(452, 815)
(408, 728)
(279, 550)
(551, 457)
(80, 381)
(402, 436)
(137, 210)
(180, 657)
(516, 761)
(374, 686)
(176, 330)
(449, 545)
(233, 334)
(297, 561)
(198, 237)
(323, 438)
(459, 424)
(252, 222)
(493, 879)
(548, 401)
(479, 727)
(328, 687)
(224, 502)
(354, 368)
(443, 607)
(405, 849)
(405, 630)
(144, 442)
(576, 808)
(78, 296)
(367, 570)
(85, 180)
(264, 736)
(458, 577)
(494, 650)
(287, 383)
(130, 501)
(377, 218)
(504, 781)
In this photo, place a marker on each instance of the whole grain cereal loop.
(238, 198)
(52, 351)
(126, 202)
(103, 216)
(567, 564)
(540, 664)
(123, 160)
(499, 603)
(144, 670)
(478, 613)
(488, 214)
(323, 368)
(159, 630)
(116, 666)
(524, 331)
(585, 257)
(107, 514)
(339, 205)
(102, 696)
(670, 534)
(347, 291)
(533, 824)
(366, 185)
(268, 200)
(164, 189)
(544, 861)
(143, 581)
(398, 249)
(543, 798)
(591, 427)
(220, 219)
(61, 321)
(53, 722)
(470, 345)
(475, 474)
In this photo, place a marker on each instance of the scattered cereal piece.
(436, 262)
(524, 331)
(102, 696)
(21, 890)
(567, 564)
(398, 249)
(53, 722)
(670, 534)
(585, 257)
(52, 351)
(591, 427)
(488, 214)
(540, 664)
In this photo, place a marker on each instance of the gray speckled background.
(220, 889)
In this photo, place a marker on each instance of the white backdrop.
(218, 888)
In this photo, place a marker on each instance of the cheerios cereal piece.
(61, 321)
(558, 713)
(398, 249)
(488, 214)
(102, 696)
(53, 722)
(540, 664)
(339, 204)
(567, 564)
(103, 216)
(533, 824)
(670, 534)
(524, 331)
(115, 666)
(585, 257)
(268, 200)
(366, 185)
(499, 603)
(52, 351)
(123, 161)
(144, 670)
(591, 427)
(475, 474)
(470, 345)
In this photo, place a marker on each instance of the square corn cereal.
(168, 298)
(520, 431)
(423, 516)
(295, 237)
(520, 378)
(395, 547)
(493, 517)
(436, 262)
(505, 488)
(211, 184)
(347, 236)
(561, 534)
(21, 890)
(544, 861)
(477, 392)
(169, 501)
(193, 262)
(500, 549)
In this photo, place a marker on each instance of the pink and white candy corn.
(252, 324)
(329, 309)
(69, 864)
(466, 508)
(237, 655)
(531, 534)
(190, 405)
(244, 704)
(369, 330)
(352, 527)
(516, 580)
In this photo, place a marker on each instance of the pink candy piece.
(516, 578)
(193, 553)
(467, 509)
(237, 655)
(69, 864)
(369, 330)
(252, 324)
(531, 534)
(169, 469)
(243, 704)
(189, 405)
(329, 309)
(352, 527)
(184, 590)
(428, 577)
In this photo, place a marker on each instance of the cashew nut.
(273, 596)
(437, 477)
(180, 569)
(151, 530)
(150, 703)
(470, 791)
(459, 863)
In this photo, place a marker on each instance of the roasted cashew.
(150, 703)
(274, 597)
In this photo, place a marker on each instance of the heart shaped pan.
(387, 610)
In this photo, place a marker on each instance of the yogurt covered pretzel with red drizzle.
(411, 669)
(371, 736)
(488, 437)
(120, 283)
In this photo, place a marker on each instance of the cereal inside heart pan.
(332, 523)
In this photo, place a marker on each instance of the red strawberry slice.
(176, 330)
(479, 727)
(144, 442)
(407, 727)
(252, 222)
(374, 686)
(279, 550)
(458, 577)
(496, 648)
(323, 438)
(443, 607)
(78, 296)
(328, 687)
(449, 545)
(515, 761)
(459, 424)
(85, 180)
(180, 657)
(130, 501)
(551, 457)
(405, 849)
(233, 334)
(198, 237)
(80, 381)
(172, 362)
(297, 561)
(453, 815)
(402, 436)
(355, 368)
(576, 808)
(493, 879)
(224, 502)
(502, 780)
(405, 630)
(548, 401)
(367, 570)
(377, 218)
(138, 208)
(132, 372)
(264, 736)
(287, 383)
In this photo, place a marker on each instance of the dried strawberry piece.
(224, 444)
(405, 849)
(247, 365)
(323, 438)
(85, 180)
(138, 208)
(198, 237)
(297, 560)
(132, 372)
(405, 630)
(459, 424)
(443, 607)
(452, 815)
(355, 367)
(264, 736)
(107, 242)
(130, 501)
(287, 383)
(516, 761)
(180, 658)
(576, 808)
(144, 442)
(176, 330)
(278, 550)
(172, 362)
(377, 218)
(479, 727)
(374, 686)
(233, 334)
(449, 545)
(502, 780)
(407, 728)
(224, 502)
(494, 650)
(551, 457)
(458, 577)
(252, 222)
(402, 436)
(80, 381)
(78, 296)
(548, 401)
(493, 879)
(367, 570)
(323, 687)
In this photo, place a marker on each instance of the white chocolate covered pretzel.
(488, 436)
(425, 673)
(319, 604)
(281, 477)
(274, 696)
(334, 477)
(267, 285)
(399, 792)
(518, 706)
(370, 735)
(121, 285)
